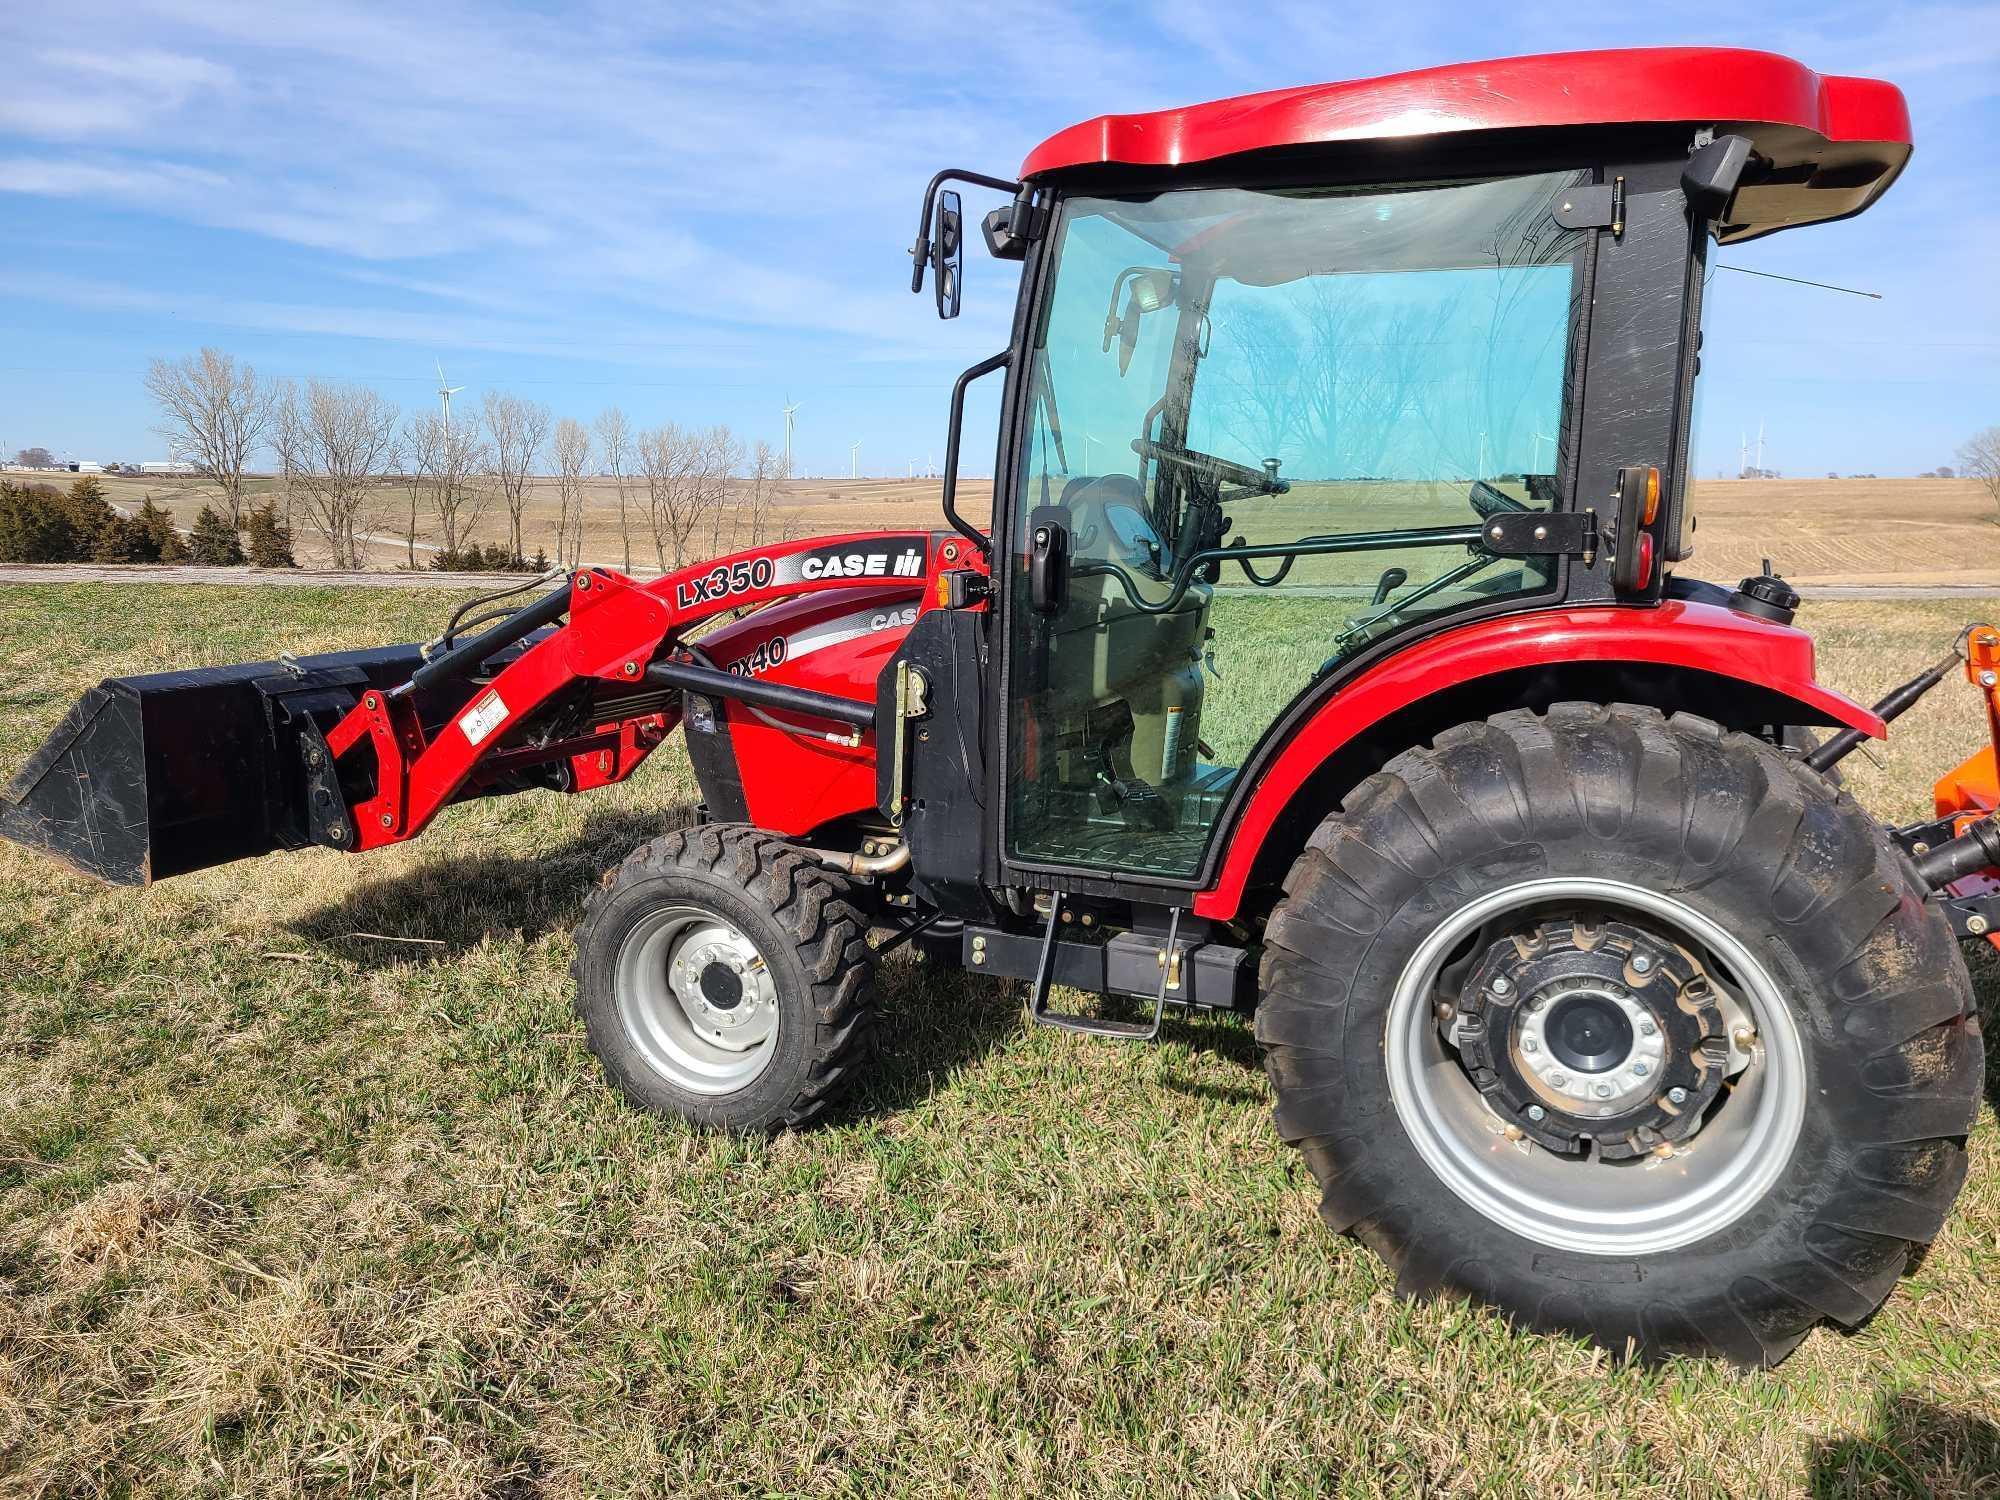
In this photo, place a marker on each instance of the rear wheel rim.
(1590, 1206)
(697, 1000)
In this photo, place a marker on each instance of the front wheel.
(1626, 1026)
(722, 976)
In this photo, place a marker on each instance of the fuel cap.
(1766, 596)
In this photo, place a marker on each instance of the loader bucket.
(153, 776)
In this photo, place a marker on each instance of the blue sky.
(694, 214)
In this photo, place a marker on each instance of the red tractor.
(1325, 662)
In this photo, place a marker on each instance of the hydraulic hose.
(465, 659)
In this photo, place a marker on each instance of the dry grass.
(1910, 531)
(284, 1209)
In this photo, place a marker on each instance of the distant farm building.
(166, 468)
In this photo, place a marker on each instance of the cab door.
(1268, 428)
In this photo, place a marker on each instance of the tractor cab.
(1304, 378)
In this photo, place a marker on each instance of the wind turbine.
(791, 408)
(446, 392)
(854, 460)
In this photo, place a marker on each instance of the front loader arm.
(616, 628)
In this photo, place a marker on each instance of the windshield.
(1274, 425)
(1380, 351)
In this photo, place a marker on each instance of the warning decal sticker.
(486, 715)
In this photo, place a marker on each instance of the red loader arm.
(617, 630)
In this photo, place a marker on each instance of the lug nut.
(1558, 1080)
(1536, 1112)
(1501, 985)
(1642, 963)
(1603, 1091)
(1649, 1028)
(1640, 1070)
(1529, 1044)
(1677, 1096)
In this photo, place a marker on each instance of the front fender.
(1682, 634)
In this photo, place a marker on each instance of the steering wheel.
(1221, 470)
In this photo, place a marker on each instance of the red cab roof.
(1853, 133)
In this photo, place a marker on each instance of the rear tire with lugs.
(1626, 1026)
(723, 976)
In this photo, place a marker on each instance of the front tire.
(723, 977)
(1625, 1026)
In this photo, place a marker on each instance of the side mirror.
(1048, 561)
(1712, 175)
(948, 253)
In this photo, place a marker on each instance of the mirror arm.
(920, 252)
(964, 527)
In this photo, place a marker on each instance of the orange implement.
(1970, 790)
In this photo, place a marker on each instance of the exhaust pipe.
(867, 865)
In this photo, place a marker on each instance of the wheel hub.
(1597, 1038)
(723, 986)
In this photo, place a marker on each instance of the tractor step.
(1212, 975)
(1171, 958)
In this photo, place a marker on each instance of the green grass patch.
(285, 1207)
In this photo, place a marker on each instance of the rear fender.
(1680, 655)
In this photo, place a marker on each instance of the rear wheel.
(722, 976)
(1626, 1026)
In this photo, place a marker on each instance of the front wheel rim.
(697, 1000)
(1590, 1206)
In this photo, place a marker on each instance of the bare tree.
(763, 490)
(284, 434)
(661, 460)
(213, 413)
(616, 438)
(718, 456)
(35, 458)
(344, 440)
(572, 466)
(447, 463)
(682, 486)
(517, 428)
(1979, 458)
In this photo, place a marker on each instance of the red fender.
(1679, 633)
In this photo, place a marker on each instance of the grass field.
(307, 1185)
